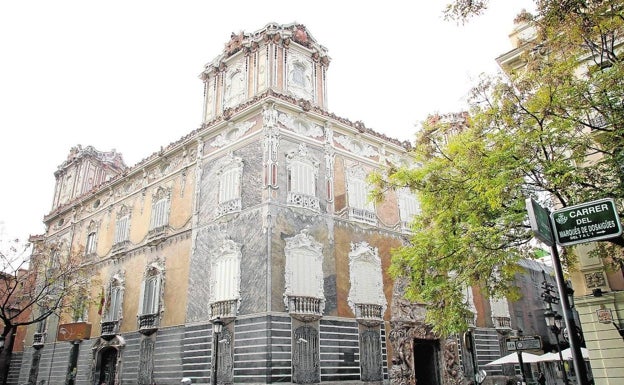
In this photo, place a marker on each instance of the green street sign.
(539, 218)
(524, 343)
(587, 222)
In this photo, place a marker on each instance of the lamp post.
(553, 321)
(217, 327)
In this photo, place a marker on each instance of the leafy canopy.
(551, 129)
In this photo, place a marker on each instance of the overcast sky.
(124, 74)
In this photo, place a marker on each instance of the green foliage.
(552, 128)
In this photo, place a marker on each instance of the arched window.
(229, 173)
(302, 172)
(160, 209)
(150, 301)
(361, 209)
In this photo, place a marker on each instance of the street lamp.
(217, 327)
(553, 321)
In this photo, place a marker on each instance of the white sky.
(124, 74)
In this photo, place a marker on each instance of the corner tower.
(283, 58)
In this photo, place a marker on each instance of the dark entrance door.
(108, 366)
(426, 368)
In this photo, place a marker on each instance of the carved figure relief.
(356, 146)
(232, 134)
(301, 126)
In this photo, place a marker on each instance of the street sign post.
(539, 218)
(524, 343)
(587, 222)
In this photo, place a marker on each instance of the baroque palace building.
(258, 219)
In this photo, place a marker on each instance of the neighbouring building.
(598, 285)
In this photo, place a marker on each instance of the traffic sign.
(587, 222)
(524, 343)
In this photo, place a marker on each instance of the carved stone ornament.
(356, 146)
(300, 126)
(408, 324)
(232, 134)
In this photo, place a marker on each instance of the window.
(230, 174)
(408, 207)
(298, 74)
(122, 226)
(304, 293)
(361, 209)
(90, 245)
(149, 302)
(225, 280)
(151, 295)
(160, 209)
(113, 302)
(302, 172)
(366, 296)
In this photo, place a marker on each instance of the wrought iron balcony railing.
(109, 329)
(148, 323)
(38, 340)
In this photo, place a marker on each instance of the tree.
(36, 282)
(552, 129)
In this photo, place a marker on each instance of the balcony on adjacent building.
(224, 309)
(305, 308)
(362, 215)
(368, 314)
(109, 329)
(502, 323)
(302, 200)
(148, 323)
(38, 340)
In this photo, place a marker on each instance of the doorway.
(108, 366)
(426, 364)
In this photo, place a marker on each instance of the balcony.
(362, 215)
(227, 207)
(109, 329)
(38, 340)
(502, 323)
(305, 308)
(368, 314)
(302, 200)
(157, 235)
(120, 247)
(224, 309)
(148, 323)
